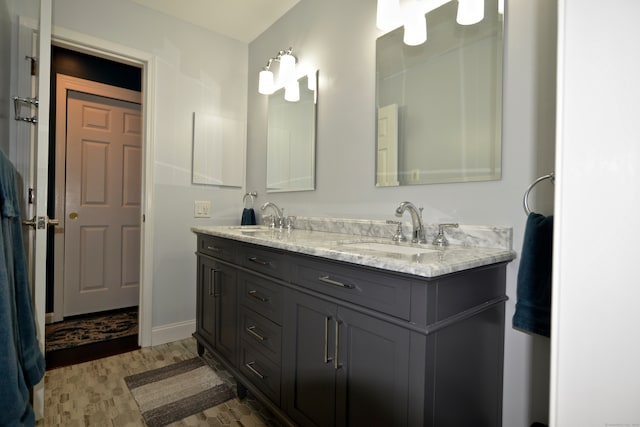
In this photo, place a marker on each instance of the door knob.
(73, 215)
(40, 222)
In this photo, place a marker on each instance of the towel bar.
(253, 196)
(525, 199)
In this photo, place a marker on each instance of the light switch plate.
(202, 209)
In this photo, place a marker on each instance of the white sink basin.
(390, 248)
(248, 227)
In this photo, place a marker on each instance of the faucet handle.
(440, 239)
(399, 236)
(289, 222)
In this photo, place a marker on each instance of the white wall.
(338, 38)
(5, 75)
(596, 350)
(196, 71)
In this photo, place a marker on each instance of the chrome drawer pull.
(254, 294)
(213, 248)
(325, 279)
(336, 365)
(326, 357)
(259, 261)
(254, 370)
(252, 330)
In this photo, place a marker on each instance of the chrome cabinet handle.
(259, 261)
(327, 280)
(336, 365)
(326, 357)
(215, 274)
(213, 248)
(254, 370)
(254, 294)
(252, 330)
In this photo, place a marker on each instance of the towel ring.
(525, 199)
(253, 196)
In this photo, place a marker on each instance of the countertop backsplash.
(465, 235)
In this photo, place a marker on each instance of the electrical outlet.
(202, 209)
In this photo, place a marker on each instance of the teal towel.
(21, 361)
(248, 217)
(533, 306)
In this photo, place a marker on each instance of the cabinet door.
(206, 320)
(217, 309)
(373, 375)
(226, 311)
(308, 365)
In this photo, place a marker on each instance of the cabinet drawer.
(262, 296)
(263, 333)
(262, 373)
(376, 290)
(216, 247)
(263, 260)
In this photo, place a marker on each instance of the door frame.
(147, 62)
(64, 84)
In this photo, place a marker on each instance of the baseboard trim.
(172, 332)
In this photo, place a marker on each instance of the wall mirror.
(291, 139)
(218, 150)
(439, 104)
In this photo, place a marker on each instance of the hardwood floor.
(95, 394)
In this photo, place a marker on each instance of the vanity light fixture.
(415, 26)
(470, 12)
(388, 15)
(411, 13)
(286, 76)
(292, 91)
(266, 85)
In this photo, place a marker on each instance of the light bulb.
(287, 68)
(470, 12)
(292, 91)
(388, 15)
(415, 28)
(265, 82)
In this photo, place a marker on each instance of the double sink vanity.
(333, 323)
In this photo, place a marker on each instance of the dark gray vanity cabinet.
(343, 368)
(216, 310)
(327, 343)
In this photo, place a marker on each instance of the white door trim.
(109, 50)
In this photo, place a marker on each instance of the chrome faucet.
(416, 218)
(279, 219)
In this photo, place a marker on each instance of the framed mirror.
(291, 139)
(439, 104)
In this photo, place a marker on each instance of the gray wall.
(338, 38)
(5, 75)
(196, 71)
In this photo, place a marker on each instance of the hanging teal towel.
(21, 361)
(533, 306)
(248, 217)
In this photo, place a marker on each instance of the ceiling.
(242, 20)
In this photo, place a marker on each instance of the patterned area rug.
(169, 394)
(92, 328)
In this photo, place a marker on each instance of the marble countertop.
(432, 262)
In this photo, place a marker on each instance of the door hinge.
(34, 64)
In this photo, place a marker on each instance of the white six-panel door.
(102, 204)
